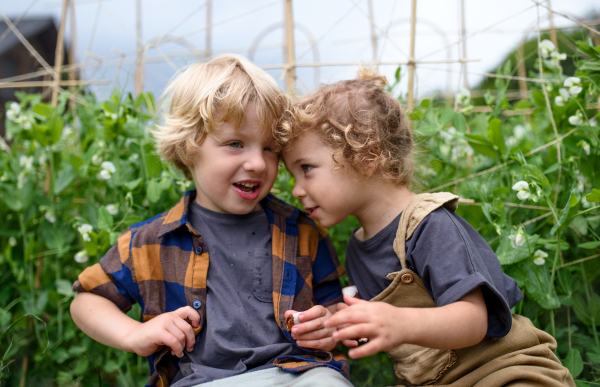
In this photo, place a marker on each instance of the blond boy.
(221, 318)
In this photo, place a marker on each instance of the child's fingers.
(353, 332)
(341, 306)
(190, 338)
(352, 300)
(309, 326)
(187, 312)
(347, 316)
(313, 313)
(371, 348)
(175, 339)
(288, 312)
(313, 335)
(350, 343)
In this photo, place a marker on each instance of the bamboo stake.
(289, 34)
(15, 85)
(208, 50)
(373, 33)
(411, 58)
(552, 30)
(139, 68)
(59, 53)
(463, 33)
(72, 48)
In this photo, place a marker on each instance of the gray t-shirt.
(448, 254)
(241, 333)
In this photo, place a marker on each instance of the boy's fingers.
(309, 326)
(190, 338)
(353, 332)
(313, 313)
(175, 339)
(352, 300)
(372, 347)
(341, 306)
(344, 317)
(350, 343)
(288, 312)
(187, 312)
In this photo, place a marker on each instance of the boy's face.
(234, 169)
(330, 192)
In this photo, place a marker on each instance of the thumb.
(189, 313)
(352, 300)
(340, 306)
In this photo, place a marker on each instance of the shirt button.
(199, 250)
(197, 304)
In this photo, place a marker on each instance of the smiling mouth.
(312, 211)
(247, 187)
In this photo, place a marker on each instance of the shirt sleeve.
(452, 260)
(112, 277)
(326, 271)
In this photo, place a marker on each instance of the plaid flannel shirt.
(162, 264)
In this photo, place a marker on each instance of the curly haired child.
(439, 301)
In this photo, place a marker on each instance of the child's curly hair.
(361, 122)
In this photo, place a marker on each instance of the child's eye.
(235, 144)
(306, 168)
(268, 149)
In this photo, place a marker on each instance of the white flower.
(134, 157)
(557, 56)
(559, 101)
(564, 93)
(581, 180)
(539, 257)
(15, 108)
(463, 96)
(81, 257)
(585, 146)
(577, 119)
(21, 179)
(26, 162)
(50, 217)
(522, 188)
(12, 241)
(109, 166)
(519, 131)
(112, 209)
(104, 175)
(517, 240)
(511, 141)
(85, 230)
(96, 159)
(11, 115)
(546, 46)
(574, 85)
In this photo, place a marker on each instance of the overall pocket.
(262, 272)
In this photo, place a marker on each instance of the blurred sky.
(340, 28)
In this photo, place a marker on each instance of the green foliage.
(73, 179)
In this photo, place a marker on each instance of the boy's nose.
(255, 162)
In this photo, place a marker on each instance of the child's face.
(330, 192)
(234, 169)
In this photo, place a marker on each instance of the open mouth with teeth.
(247, 190)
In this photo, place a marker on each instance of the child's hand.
(311, 332)
(168, 329)
(376, 321)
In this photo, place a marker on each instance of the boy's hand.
(376, 321)
(312, 333)
(168, 329)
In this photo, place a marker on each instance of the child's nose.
(298, 192)
(255, 162)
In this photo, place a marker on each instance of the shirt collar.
(177, 216)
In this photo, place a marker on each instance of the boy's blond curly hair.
(205, 95)
(363, 124)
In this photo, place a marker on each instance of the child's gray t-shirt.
(241, 333)
(448, 254)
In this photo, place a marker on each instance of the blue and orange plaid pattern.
(162, 264)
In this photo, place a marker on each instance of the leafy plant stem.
(552, 327)
(585, 212)
(552, 208)
(555, 263)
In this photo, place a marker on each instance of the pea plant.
(72, 177)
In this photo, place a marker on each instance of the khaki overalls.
(524, 357)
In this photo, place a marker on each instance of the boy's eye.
(306, 168)
(235, 144)
(268, 149)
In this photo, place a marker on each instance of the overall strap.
(418, 208)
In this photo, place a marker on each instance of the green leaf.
(55, 129)
(44, 110)
(589, 245)
(446, 116)
(426, 103)
(538, 98)
(64, 179)
(500, 191)
(593, 196)
(574, 362)
(428, 130)
(153, 191)
(594, 357)
(64, 287)
(480, 144)
(153, 165)
(520, 253)
(92, 246)
(494, 133)
(105, 220)
(133, 184)
(459, 123)
(534, 173)
(537, 284)
(569, 210)
(52, 236)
